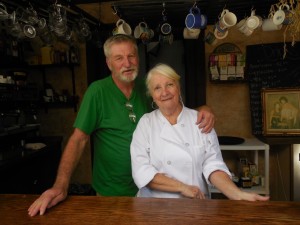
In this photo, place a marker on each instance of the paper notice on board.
(231, 70)
(222, 60)
(224, 70)
(240, 72)
(214, 73)
(240, 59)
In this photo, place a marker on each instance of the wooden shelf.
(252, 144)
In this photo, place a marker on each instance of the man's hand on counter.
(47, 200)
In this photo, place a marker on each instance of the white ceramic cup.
(142, 27)
(269, 25)
(227, 19)
(283, 15)
(243, 28)
(220, 35)
(191, 33)
(122, 28)
(253, 21)
(3, 12)
(136, 32)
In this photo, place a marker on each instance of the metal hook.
(115, 11)
(30, 5)
(195, 4)
(164, 10)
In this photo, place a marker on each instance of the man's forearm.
(69, 161)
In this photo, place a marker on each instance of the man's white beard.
(128, 78)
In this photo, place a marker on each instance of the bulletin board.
(266, 68)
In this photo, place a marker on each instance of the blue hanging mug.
(193, 19)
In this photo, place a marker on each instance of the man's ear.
(108, 64)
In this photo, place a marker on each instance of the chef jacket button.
(169, 162)
(187, 144)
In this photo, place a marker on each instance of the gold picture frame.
(281, 111)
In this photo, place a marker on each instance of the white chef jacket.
(179, 151)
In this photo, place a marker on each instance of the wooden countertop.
(126, 210)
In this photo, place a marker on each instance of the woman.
(275, 114)
(170, 156)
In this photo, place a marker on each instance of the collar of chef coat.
(168, 131)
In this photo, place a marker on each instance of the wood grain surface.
(125, 210)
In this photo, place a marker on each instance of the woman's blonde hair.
(166, 71)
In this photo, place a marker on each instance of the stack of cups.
(227, 20)
(194, 21)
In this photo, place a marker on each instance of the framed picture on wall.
(281, 111)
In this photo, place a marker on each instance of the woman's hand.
(252, 197)
(191, 191)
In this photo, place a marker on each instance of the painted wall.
(231, 105)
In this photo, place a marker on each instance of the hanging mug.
(193, 19)
(165, 27)
(122, 27)
(283, 15)
(227, 19)
(269, 25)
(142, 31)
(3, 12)
(244, 28)
(253, 21)
(220, 34)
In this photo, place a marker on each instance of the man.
(109, 112)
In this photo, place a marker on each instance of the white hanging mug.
(227, 19)
(243, 28)
(122, 27)
(269, 25)
(283, 15)
(253, 21)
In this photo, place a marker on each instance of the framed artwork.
(281, 111)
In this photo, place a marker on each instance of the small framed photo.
(281, 111)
